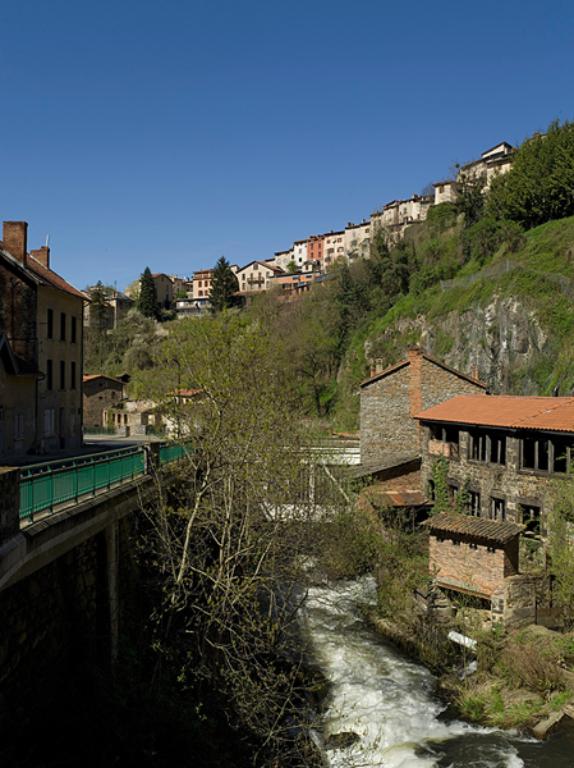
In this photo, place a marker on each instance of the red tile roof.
(53, 278)
(554, 414)
(497, 531)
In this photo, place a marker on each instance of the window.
(497, 448)
(49, 422)
(72, 375)
(18, 426)
(50, 322)
(62, 374)
(452, 491)
(474, 503)
(530, 515)
(62, 326)
(535, 453)
(497, 508)
(477, 450)
(49, 374)
(74, 330)
(487, 447)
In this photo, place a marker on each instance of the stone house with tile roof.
(390, 398)
(100, 392)
(41, 322)
(509, 454)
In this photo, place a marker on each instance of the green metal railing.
(173, 452)
(55, 484)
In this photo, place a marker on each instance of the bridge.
(67, 568)
(64, 532)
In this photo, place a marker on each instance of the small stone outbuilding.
(100, 393)
(472, 555)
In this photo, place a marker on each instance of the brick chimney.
(42, 255)
(415, 358)
(15, 239)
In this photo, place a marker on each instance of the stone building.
(41, 323)
(100, 393)
(163, 289)
(472, 555)
(300, 252)
(115, 309)
(390, 398)
(282, 259)
(333, 247)
(509, 454)
(255, 276)
(397, 215)
(445, 191)
(133, 417)
(201, 284)
(357, 241)
(493, 162)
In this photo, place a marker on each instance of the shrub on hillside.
(483, 239)
(540, 185)
(529, 663)
(442, 217)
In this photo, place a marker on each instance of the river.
(391, 702)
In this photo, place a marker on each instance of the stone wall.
(386, 425)
(389, 403)
(99, 395)
(475, 567)
(50, 621)
(56, 628)
(506, 482)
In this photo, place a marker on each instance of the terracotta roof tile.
(497, 531)
(510, 411)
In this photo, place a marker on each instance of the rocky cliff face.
(500, 342)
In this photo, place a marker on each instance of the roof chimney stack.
(42, 255)
(15, 239)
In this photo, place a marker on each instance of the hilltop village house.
(255, 277)
(115, 309)
(41, 336)
(357, 241)
(508, 453)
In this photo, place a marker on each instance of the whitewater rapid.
(387, 700)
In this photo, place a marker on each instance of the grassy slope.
(543, 281)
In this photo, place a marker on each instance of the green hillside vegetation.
(511, 242)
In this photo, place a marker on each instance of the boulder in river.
(342, 740)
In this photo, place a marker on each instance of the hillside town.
(293, 272)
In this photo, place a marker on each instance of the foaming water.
(391, 703)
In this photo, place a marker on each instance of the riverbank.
(523, 681)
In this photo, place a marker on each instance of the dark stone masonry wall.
(51, 623)
(507, 482)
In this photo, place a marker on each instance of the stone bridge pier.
(61, 584)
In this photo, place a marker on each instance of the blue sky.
(166, 134)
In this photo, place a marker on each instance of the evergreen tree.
(224, 286)
(95, 351)
(147, 303)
